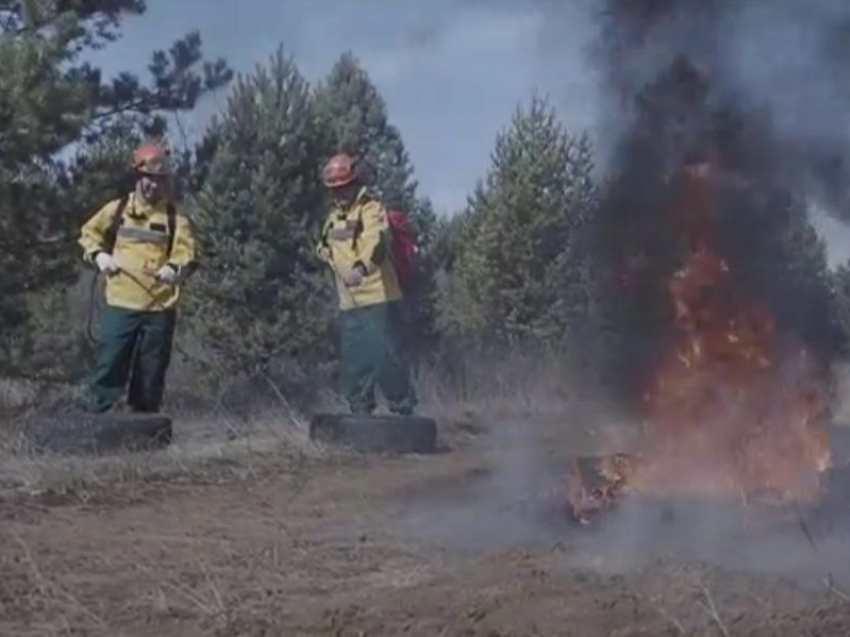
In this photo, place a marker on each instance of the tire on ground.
(80, 434)
(376, 434)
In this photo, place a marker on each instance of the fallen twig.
(219, 602)
(670, 618)
(832, 589)
(805, 529)
(180, 589)
(711, 609)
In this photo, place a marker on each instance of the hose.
(90, 314)
(93, 301)
(186, 356)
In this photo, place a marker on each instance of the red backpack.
(404, 248)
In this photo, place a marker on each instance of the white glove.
(106, 263)
(353, 277)
(167, 274)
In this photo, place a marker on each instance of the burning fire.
(729, 413)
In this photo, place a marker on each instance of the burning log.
(594, 484)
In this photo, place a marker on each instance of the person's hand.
(167, 274)
(105, 263)
(353, 277)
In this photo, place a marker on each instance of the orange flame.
(730, 414)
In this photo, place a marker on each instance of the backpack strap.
(117, 219)
(171, 211)
(358, 229)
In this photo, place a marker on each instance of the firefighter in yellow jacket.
(355, 243)
(146, 248)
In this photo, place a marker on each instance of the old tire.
(376, 434)
(80, 433)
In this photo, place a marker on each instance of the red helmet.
(339, 171)
(151, 158)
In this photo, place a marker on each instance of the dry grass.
(209, 447)
(529, 385)
(223, 442)
(249, 558)
(18, 396)
(193, 463)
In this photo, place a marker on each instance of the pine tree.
(44, 347)
(356, 115)
(50, 103)
(261, 296)
(519, 234)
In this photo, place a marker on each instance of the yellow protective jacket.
(359, 236)
(141, 248)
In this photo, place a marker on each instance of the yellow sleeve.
(93, 232)
(372, 240)
(184, 249)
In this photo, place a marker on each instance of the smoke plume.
(785, 61)
(755, 90)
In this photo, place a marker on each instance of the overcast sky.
(451, 71)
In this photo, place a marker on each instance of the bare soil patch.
(286, 539)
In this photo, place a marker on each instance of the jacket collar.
(362, 195)
(140, 209)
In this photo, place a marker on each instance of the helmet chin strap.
(346, 195)
(162, 192)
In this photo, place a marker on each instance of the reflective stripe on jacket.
(140, 250)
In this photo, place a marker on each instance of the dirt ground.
(286, 539)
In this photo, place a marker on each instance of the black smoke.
(759, 91)
(786, 60)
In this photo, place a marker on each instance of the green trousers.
(134, 345)
(374, 355)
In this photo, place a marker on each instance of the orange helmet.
(339, 171)
(151, 158)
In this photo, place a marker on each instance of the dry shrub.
(529, 381)
(206, 449)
